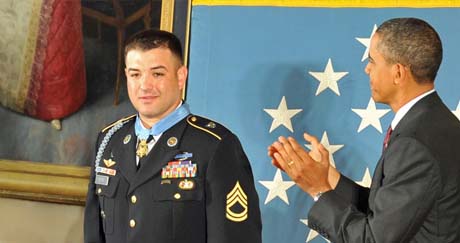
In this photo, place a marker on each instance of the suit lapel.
(376, 179)
(403, 125)
(125, 153)
(159, 156)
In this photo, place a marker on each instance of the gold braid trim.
(121, 120)
(200, 128)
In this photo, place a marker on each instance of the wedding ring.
(291, 162)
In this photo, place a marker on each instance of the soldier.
(165, 175)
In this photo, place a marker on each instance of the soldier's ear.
(182, 73)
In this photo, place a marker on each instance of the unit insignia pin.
(172, 141)
(127, 139)
(211, 125)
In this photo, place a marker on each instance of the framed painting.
(50, 162)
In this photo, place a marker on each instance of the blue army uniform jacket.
(195, 185)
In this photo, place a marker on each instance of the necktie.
(387, 138)
(142, 148)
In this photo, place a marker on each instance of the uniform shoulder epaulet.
(119, 121)
(206, 125)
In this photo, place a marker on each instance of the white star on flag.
(366, 42)
(277, 188)
(311, 234)
(367, 179)
(331, 148)
(282, 115)
(457, 111)
(370, 116)
(328, 78)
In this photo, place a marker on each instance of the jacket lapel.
(125, 153)
(162, 153)
(403, 125)
(376, 179)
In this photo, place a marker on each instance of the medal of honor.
(142, 148)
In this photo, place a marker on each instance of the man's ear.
(182, 73)
(400, 73)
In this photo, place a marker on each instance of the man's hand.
(309, 169)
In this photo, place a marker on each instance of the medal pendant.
(142, 148)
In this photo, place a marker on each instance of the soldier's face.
(155, 80)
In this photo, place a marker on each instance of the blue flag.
(270, 71)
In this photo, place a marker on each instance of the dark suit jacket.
(215, 210)
(415, 190)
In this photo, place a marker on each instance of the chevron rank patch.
(237, 204)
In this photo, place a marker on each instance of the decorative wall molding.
(44, 182)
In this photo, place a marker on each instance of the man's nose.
(146, 82)
(367, 69)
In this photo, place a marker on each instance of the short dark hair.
(413, 43)
(153, 38)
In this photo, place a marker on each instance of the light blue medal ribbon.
(164, 124)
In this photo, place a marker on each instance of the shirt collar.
(156, 137)
(405, 108)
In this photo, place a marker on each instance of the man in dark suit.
(415, 190)
(165, 175)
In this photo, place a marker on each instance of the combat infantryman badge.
(183, 156)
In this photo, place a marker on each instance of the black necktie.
(149, 138)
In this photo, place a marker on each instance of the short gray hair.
(413, 43)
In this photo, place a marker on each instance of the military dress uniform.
(195, 185)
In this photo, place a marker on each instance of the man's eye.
(156, 75)
(134, 75)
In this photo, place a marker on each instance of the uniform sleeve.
(232, 204)
(93, 232)
(409, 188)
